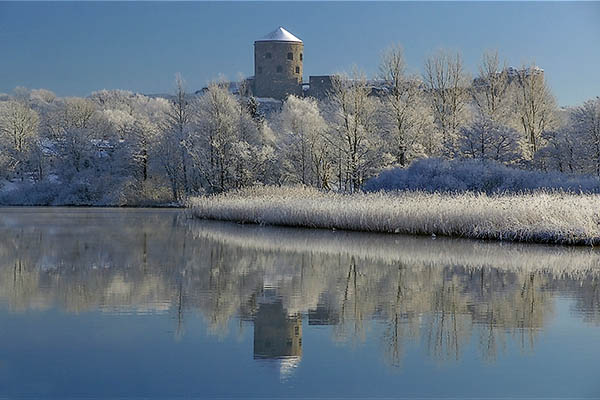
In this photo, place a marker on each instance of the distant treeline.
(117, 147)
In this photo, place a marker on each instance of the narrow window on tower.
(279, 68)
(290, 56)
(268, 55)
(300, 56)
(297, 70)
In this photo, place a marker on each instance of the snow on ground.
(435, 175)
(7, 186)
(541, 217)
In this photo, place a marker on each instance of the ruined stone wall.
(320, 86)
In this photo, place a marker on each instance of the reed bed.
(540, 217)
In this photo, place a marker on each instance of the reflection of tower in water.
(278, 336)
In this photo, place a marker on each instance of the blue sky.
(76, 48)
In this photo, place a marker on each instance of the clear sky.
(76, 48)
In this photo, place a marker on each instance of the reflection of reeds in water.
(445, 293)
(412, 250)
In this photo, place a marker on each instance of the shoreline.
(166, 206)
(399, 249)
(541, 217)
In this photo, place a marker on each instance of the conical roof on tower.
(279, 35)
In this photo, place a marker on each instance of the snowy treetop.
(279, 35)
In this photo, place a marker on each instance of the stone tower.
(278, 65)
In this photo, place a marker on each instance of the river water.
(149, 303)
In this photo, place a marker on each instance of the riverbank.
(540, 217)
(110, 206)
(56, 194)
(406, 250)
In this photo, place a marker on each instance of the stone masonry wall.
(268, 82)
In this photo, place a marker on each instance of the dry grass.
(543, 217)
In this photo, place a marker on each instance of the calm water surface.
(148, 303)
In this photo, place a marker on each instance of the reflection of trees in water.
(351, 321)
(586, 292)
(589, 303)
(402, 319)
(444, 293)
(445, 327)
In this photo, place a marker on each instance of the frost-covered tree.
(42, 95)
(150, 116)
(447, 85)
(487, 139)
(405, 110)
(563, 150)
(303, 142)
(534, 108)
(227, 147)
(492, 95)
(18, 135)
(175, 133)
(213, 149)
(586, 125)
(137, 121)
(21, 94)
(356, 139)
(78, 130)
(252, 143)
(44, 103)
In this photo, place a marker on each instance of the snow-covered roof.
(279, 35)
